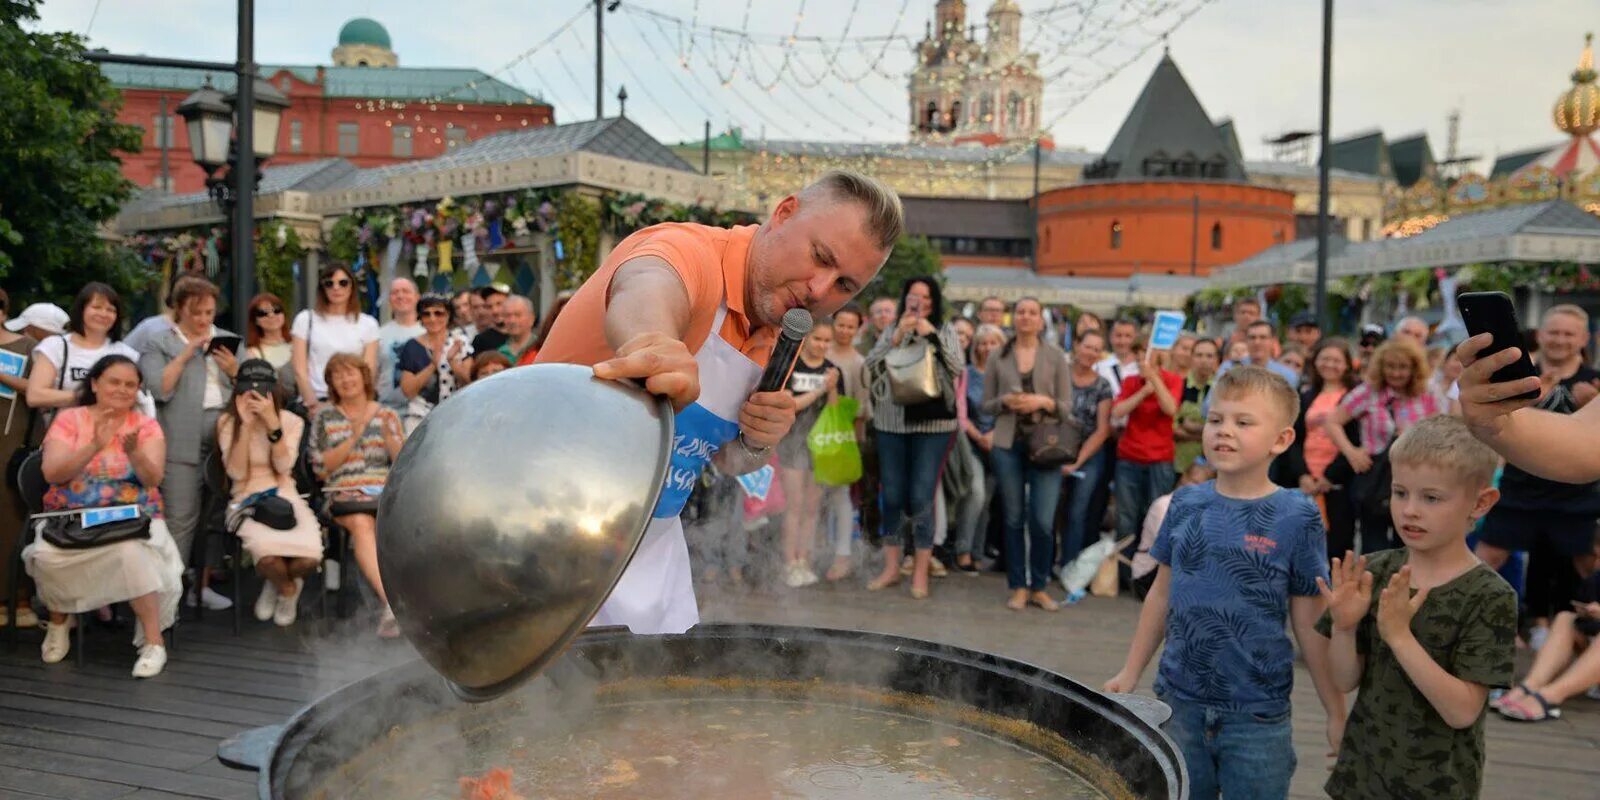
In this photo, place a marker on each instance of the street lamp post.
(229, 135)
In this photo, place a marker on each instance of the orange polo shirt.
(712, 264)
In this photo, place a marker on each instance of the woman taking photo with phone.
(189, 369)
(260, 442)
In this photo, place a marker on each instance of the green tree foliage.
(913, 256)
(60, 177)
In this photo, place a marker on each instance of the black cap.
(1372, 332)
(257, 375)
(1304, 319)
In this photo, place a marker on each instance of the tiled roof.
(391, 83)
(618, 137)
(1511, 162)
(1167, 122)
(1366, 153)
(1551, 216)
(1411, 158)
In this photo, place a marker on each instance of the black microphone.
(796, 326)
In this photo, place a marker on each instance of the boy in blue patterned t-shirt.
(1237, 556)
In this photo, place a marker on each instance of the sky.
(1399, 65)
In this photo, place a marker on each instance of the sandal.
(1516, 712)
(1044, 601)
(881, 583)
(1018, 601)
(1497, 698)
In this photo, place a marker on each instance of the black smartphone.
(226, 341)
(1492, 313)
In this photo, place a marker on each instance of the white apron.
(656, 592)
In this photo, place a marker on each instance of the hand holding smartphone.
(225, 341)
(1493, 313)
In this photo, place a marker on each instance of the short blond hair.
(885, 215)
(1248, 380)
(1445, 442)
(1568, 309)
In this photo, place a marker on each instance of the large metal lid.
(511, 513)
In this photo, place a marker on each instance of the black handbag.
(268, 509)
(67, 532)
(1053, 441)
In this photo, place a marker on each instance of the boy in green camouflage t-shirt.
(1424, 662)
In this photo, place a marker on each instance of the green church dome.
(364, 31)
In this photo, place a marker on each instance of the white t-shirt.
(79, 359)
(328, 337)
(391, 337)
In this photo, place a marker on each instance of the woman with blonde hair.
(1394, 395)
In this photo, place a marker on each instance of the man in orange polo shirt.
(692, 311)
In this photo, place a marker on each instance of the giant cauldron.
(398, 733)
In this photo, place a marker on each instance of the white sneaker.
(288, 606)
(214, 601)
(57, 642)
(807, 575)
(330, 575)
(266, 603)
(794, 576)
(152, 659)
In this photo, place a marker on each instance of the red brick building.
(1169, 197)
(363, 107)
(1116, 229)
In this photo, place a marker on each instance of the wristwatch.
(275, 435)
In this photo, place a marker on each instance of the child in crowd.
(1424, 660)
(1144, 567)
(1145, 452)
(814, 382)
(1238, 558)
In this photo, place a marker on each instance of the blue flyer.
(101, 516)
(1164, 333)
(12, 364)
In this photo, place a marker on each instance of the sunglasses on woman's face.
(435, 312)
(332, 282)
(266, 311)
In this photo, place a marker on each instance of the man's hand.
(1351, 593)
(1582, 393)
(1360, 460)
(766, 418)
(1396, 607)
(666, 366)
(1485, 405)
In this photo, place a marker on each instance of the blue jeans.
(1079, 527)
(908, 466)
(1235, 755)
(1138, 485)
(1014, 475)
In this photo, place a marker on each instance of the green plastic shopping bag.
(835, 458)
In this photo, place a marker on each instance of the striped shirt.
(1385, 414)
(887, 415)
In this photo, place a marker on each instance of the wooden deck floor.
(94, 733)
